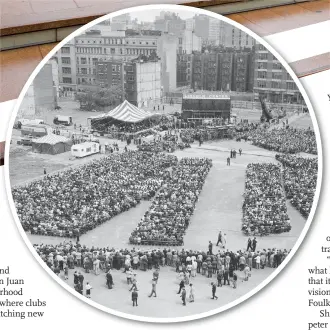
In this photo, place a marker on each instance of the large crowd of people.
(285, 140)
(264, 206)
(300, 177)
(223, 267)
(76, 200)
(169, 215)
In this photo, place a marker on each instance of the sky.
(150, 15)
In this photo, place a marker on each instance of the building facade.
(184, 70)
(272, 80)
(139, 79)
(93, 47)
(66, 59)
(205, 71)
(167, 51)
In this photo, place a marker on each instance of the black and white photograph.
(164, 163)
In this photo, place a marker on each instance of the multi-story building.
(241, 72)
(93, 47)
(225, 71)
(272, 80)
(167, 51)
(42, 94)
(110, 73)
(66, 59)
(232, 37)
(139, 79)
(205, 71)
(169, 23)
(189, 42)
(184, 70)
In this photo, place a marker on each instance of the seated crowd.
(77, 200)
(264, 206)
(300, 177)
(286, 140)
(167, 219)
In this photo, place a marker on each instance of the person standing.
(181, 286)
(88, 290)
(109, 280)
(254, 244)
(153, 288)
(249, 244)
(191, 293)
(134, 297)
(240, 151)
(214, 290)
(183, 296)
(210, 247)
(234, 280)
(45, 172)
(224, 241)
(228, 161)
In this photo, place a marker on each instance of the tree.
(104, 97)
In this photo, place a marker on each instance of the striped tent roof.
(127, 112)
(51, 139)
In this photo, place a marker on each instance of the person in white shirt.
(258, 261)
(88, 290)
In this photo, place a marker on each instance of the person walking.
(134, 297)
(219, 238)
(134, 284)
(153, 288)
(214, 290)
(240, 151)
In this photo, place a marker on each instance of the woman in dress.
(191, 293)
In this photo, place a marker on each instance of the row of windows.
(117, 41)
(277, 85)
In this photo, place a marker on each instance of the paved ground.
(168, 302)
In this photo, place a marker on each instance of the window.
(67, 80)
(65, 50)
(84, 70)
(277, 75)
(66, 60)
(66, 70)
(263, 56)
(113, 50)
(88, 149)
(262, 84)
(276, 84)
(262, 74)
(277, 66)
(94, 59)
(291, 85)
(83, 60)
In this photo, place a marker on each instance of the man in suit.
(134, 297)
(219, 238)
(214, 290)
(183, 296)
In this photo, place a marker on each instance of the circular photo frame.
(160, 155)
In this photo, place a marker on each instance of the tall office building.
(167, 51)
